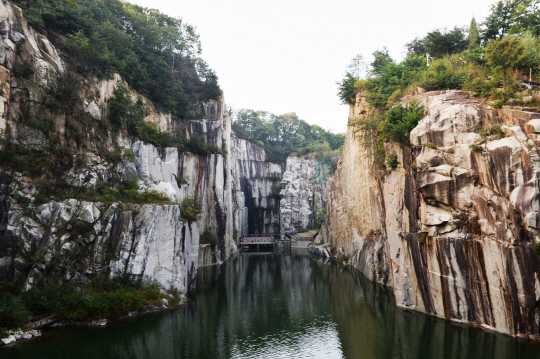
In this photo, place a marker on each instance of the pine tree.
(505, 55)
(474, 35)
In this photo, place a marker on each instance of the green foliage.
(208, 237)
(474, 35)
(319, 218)
(505, 55)
(391, 160)
(23, 69)
(235, 234)
(159, 56)
(476, 148)
(13, 312)
(191, 208)
(422, 237)
(441, 43)
(536, 248)
(431, 145)
(123, 112)
(511, 17)
(399, 121)
(347, 89)
(102, 298)
(284, 135)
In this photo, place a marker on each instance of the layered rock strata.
(450, 229)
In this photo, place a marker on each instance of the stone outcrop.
(303, 190)
(77, 239)
(450, 229)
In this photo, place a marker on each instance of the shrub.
(13, 312)
(399, 121)
(391, 160)
(319, 218)
(208, 237)
(191, 208)
(422, 237)
(499, 103)
(476, 148)
(536, 248)
(431, 145)
(103, 297)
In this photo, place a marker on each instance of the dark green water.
(279, 306)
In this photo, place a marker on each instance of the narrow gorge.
(128, 186)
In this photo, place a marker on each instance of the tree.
(511, 17)
(474, 35)
(416, 47)
(357, 65)
(531, 48)
(505, 55)
(347, 90)
(381, 58)
(439, 43)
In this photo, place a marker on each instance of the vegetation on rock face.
(103, 297)
(191, 208)
(319, 218)
(158, 56)
(208, 237)
(502, 52)
(284, 135)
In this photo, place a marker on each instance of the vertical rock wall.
(255, 189)
(303, 191)
(450, 229)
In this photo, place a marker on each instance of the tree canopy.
(284, 134)
(158, 55)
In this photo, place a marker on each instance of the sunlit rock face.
(303, 191)
(450, 229)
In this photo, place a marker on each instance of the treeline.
(158, 55)
(478, 59)
(284, 135)
(490, 59)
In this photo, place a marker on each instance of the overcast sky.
(286, 55)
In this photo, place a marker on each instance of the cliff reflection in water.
(281, 306)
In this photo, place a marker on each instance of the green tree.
(347, 89)
(416, 47)
(381, 58)
(511, 17)
(474, 35)
(531, 48)
(505, 55)
(445, 42)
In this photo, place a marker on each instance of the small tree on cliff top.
(503, 56)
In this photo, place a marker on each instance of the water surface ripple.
(279, 306)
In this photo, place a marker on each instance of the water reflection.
(280, 306)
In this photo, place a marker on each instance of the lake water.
(263, 305)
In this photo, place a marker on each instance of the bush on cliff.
(208, 237)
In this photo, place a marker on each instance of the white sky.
(286, 55)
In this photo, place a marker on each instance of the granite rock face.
(303, 191)
(450, 229)
(78, 239)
